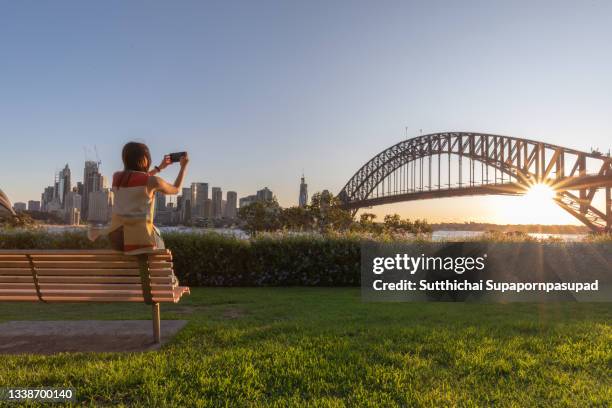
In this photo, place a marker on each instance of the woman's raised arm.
(159, 184)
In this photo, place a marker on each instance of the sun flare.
(539, 193)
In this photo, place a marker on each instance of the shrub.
(37, 239)
(212, 259)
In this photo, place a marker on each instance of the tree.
(367, 219)
(19, 220)
(264, 215)
(328, 213)
(297, 218)
(366, 224)
(422, 227)
(394, 224)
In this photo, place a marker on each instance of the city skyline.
(259, 92)
(91, 200)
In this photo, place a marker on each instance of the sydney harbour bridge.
(454, 164)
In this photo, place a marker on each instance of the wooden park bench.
(89, 276)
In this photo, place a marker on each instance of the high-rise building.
(183, 206)
(160, 201)
(64, 185)
(303, 200)
(162, 214)
(265, 194)
(207, 209)
(230, 205)
(262, 195)
(72, 207)
(216, 206)
(33, 205)
(73, 200)
(19, 207)
(92, 182)
(100, 206)
(199, 195)
(244, 201)
(46, 198)
(72, 216)
(54, 206)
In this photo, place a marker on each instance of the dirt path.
(50, 337)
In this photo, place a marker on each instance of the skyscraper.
(183, 204)
(64, 185)
(248, 200)
(73, 200)
(162, 214)
(92, 182)
(33, 205)
(160, 201)
(265, 194)
(230, 205)
(100, 206)
(216, 207)
(72, 207)
(19, 207)
(199, 195)
(46, 198)
(303, 201)
(207, 208)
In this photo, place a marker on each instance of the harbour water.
(441, 235)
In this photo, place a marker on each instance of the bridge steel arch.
(516, 164)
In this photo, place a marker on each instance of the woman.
(131, 229)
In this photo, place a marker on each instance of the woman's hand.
(184, 160)
(163, 163)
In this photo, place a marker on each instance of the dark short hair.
(134, 155)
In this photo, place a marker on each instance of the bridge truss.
(421, 168)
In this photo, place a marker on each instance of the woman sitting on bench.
(131, 229)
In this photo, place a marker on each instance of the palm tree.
(5, 205)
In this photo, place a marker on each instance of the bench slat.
(101, 279)
(15, 264)
(93, 258)
(86, 299)
(87, 272)
(72, 252)
(7, 298)
(7, 258)
(18, 285)
(11, 279)
(88, 279)
(15, 271)
(177, 294)
(101, 292)
(88, 265)
(100, 272)
(99, 286)
(7, 291)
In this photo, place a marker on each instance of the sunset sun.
(540, 193)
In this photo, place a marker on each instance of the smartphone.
(174, 157)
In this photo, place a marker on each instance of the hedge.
(210, 259)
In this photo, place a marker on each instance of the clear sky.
(258, 91)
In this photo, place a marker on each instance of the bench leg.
(156, 323)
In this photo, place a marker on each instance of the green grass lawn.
(324, 347)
